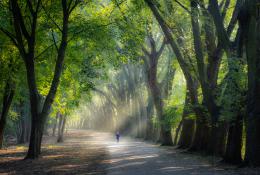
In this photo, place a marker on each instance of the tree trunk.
(234, 141)
(165, 128)
(61, 129)
(7, 101)
(217, 139)
(26, 42)
(191, 82)
(60, 124)
(252, 42)
(252, 141)
(55, 124)
(22, 138)
(28, 123)
(33, 151)
(207, 89)
(39, 118)
(177, 133)
(200, 140)
(149, 122)
(188, 126)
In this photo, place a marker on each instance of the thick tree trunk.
(39, 118)
(33, 151)
(200, 140)
(177, 133)
(38, 114)
(252, 41)
(217, 139)
(187, 132)
(28, 124)
(165, 128)
(234, 141)
(151, 64)
(191, 83)
(7, 101)
(207, 90)
(253, 142)
(188, 126)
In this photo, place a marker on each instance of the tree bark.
(234, 141)
(217, 139)
(61, 128)
(153, 86)
(39, 120)
(149, 123)
(177, 133)
(7, 101)
(22, 137)
(252, 41)
(60, 124)
(33, 151)
(55, 124)
(191, 82)
(207, 90)
(25, 40)
(188, 126)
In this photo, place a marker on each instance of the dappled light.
(76, 156)
(130, 87)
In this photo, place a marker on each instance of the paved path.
(96, 153)
(133, 157)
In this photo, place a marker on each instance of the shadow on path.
(79, 154)
(96, 153)
(134, 157)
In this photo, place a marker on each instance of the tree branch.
(234, 17)
(54, 41)
(19, 19)
(152, 42)
(29, 3)
(218, 20)
(158, 54)
(10, 35)
(48, 15)
(145, 51)
(185, 8)
(74, 6)
(224, 12)
(45, 50)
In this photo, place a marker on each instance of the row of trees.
(135, 56)
(37, 82)
(216, 46)
(210, 23)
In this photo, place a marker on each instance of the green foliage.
(104, 50)
(172, 115)
(233, 90)
(11, 123)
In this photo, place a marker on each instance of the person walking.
(117, 136)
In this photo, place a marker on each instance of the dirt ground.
(77, 155)
(96, 153)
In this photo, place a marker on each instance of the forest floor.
(95, 153)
